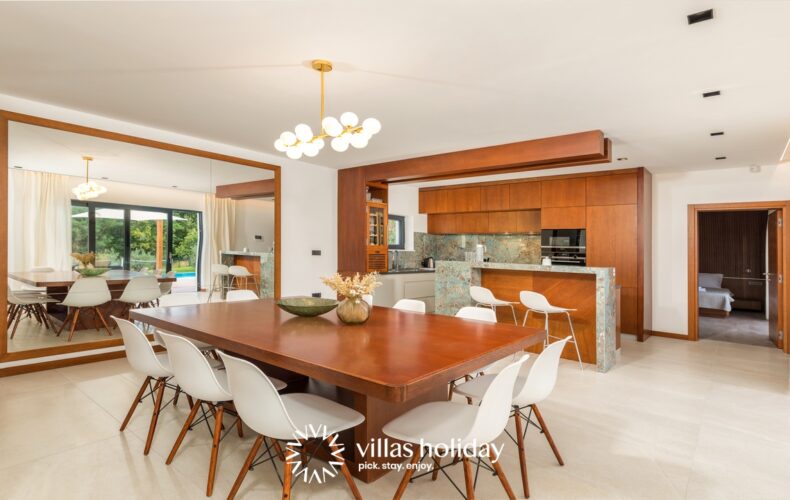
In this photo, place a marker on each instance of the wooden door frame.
(693, 258)
(10, 116)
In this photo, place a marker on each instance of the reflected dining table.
(394, 362)
(57, 284)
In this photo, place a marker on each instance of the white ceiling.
(49, 150)
(441, 75)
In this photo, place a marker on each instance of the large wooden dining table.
(395, 361)
(57, 284)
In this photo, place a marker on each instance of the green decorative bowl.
(92, 271)
(306, 306)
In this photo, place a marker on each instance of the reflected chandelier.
(344, 132)
(88, 189)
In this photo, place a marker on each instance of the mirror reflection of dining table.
(57, 284)
(394, 362)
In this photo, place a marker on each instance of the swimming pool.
(191, 274)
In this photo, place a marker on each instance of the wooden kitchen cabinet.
(564, 192)
(463, 199)
(495, 197)
(619, 189)
(434, 202)
(528, 221)
(525, 195)
(377, 237)
(563, 218)
(502, 222)
(442, 223)
(472, 223)
(611, 241)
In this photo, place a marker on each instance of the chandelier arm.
(321, 122)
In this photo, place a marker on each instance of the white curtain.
(219, 226)
(39, 220)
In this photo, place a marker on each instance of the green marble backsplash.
(505, 248)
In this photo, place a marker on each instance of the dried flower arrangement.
(352, 287)
(86, 260)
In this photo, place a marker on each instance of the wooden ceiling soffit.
(582, 148)
(244, 190)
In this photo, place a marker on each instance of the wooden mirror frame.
(10, 116)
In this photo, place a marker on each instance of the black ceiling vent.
(712, 93)
(698, 17)
(721, 157)
(714, 134)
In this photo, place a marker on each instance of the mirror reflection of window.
(396, 228)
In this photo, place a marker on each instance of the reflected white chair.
(208, 386)
(241, 295)
(528, 392)
(155, 367)
(484, 297)
(456, 426)
(368, 298)
(86, 293)
(538, 303)
(220, 280)
(283, 417)
(166, 287)
(240, 275)
(141, 291)
(31, 305)
(412, 305)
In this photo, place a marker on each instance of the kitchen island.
(261, 264)
(589, 290)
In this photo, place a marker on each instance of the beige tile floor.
(674, 419)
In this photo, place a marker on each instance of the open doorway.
(736, 257)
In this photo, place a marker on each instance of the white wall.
(672, 194)
(309, 193)
(254, 217)
(405, 200)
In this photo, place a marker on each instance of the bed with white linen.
(713, 299)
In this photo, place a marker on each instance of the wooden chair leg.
(287, 476)
(469, 479)
(101, 317)
(135, 403)
(278, 449)
(246, 467)
(183, 432)
(178, 393)
(239, 427)
(522, 458)
(409, 473)
(503, 479)
(17, 318)
(344, 468)
(160, 392)
(74, 324)
(437, 464)
(212, 466)
(66, 320)
(189, 400)
(547, 434)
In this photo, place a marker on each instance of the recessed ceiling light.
(714, 134)
(721, 157)
(698, 17)
(17, 166)
(755, 169)
(105, 178)
(622, 158)
(174, 186)
(712, 93)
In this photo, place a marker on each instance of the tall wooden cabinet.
(377, 236)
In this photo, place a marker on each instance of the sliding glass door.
(145, 239)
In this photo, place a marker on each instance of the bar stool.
(484, 297)
(538, 303)
(219, 273)
(239, 273)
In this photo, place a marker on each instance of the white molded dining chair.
(527, 392)
(278, 417)
(155, 367)
(241, 295)
(368, 297)
(239, 275)
(538, 303)
(456, 426)
(220, 275)
(484, 297)
(86, 293)
(207, 385)
(141, 291)
(475, 314)
(412, 305)
(166, 287)
(27, 304)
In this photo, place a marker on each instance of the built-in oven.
(564, 246)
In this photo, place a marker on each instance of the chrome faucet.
(395, 260)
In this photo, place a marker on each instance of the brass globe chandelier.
(345, 132)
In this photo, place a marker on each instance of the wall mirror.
(91, 207)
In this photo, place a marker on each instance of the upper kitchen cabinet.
(570, 192)
(524, 195)
(619, 189)
(464, 199)
(434, 201)
(495, 197)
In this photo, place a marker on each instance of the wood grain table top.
(67, 278)
(395, 356)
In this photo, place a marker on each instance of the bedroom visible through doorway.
(736, 251)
